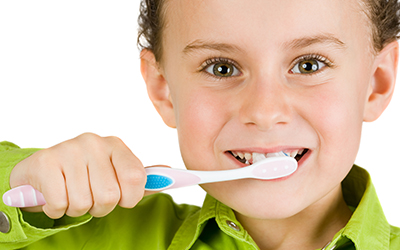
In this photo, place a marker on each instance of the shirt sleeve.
(26, 228)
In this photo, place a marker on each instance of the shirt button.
(233, 225)
(4, 223)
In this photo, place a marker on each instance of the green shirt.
(159, 223)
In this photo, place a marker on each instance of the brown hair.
(151, 23)
(383, 17)
(384, 20)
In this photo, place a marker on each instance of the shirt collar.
(367, 228)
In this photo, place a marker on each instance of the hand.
(86, 174)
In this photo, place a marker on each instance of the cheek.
(200, 117)
(336, 115)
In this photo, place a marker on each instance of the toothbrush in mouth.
(162, 178)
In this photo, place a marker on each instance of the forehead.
(262, 24)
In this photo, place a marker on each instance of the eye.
(221, 67)
(309, 64)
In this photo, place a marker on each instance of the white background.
(69, 67)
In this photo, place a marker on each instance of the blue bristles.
(158, 182)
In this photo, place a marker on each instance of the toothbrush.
(162, 178)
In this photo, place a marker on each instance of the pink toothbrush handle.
(23, 196)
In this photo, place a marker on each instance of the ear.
(157, 87)
(382, 82)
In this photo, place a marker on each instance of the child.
(235, 78)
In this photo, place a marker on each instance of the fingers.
(64, 183)
(116, 177)
(87, 174)
(43, 172)
(56, 197)
(80, 198)
(104, 185)
(130, 173)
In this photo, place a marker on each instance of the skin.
(87, 174)
(265, 107)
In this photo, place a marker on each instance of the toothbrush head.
(161, 178)
(158, 182)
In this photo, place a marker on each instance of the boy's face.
(281, 75)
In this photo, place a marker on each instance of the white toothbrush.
(162, 178)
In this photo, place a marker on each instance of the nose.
(265, 104)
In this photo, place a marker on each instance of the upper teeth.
(254, 157)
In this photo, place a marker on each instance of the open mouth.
(250, 158)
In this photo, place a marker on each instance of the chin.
(262, 204)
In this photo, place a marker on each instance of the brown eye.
(222, 69)
(307, 66)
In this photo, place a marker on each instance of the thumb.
(148, 192)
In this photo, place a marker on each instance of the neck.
(311, 228)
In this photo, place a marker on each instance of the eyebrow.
(318, 39)
(297, 43)
(204, 45)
